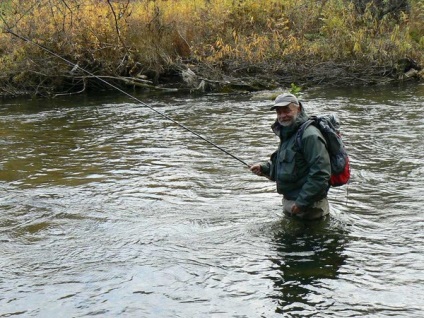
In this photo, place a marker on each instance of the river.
(107, 209)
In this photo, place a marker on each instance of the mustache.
(288, 122)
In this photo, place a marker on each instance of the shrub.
(152, 38)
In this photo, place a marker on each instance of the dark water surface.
(108, 210)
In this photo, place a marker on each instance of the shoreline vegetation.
(203, 46)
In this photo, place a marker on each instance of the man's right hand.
(256, 169)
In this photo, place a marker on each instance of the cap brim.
(280, 105)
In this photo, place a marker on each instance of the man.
(301, 175)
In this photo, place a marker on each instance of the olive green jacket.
(300, 175)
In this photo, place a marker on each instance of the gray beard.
(290, 123)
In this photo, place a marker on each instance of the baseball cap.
(284, 100)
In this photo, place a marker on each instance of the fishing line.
(76, 66)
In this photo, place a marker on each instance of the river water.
(107, 209)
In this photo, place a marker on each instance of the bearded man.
(301, 175)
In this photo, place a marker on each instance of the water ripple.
(107, 209)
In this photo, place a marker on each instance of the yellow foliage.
(119, 35)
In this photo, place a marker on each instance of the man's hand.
(256, 169)
(295, 209)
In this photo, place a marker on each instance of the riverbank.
(203, 46)
(200, 79)
(308, 74)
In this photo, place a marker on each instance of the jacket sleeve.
(268, 168)
(319, 172)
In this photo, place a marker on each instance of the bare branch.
(118, 32)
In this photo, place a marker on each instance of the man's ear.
(300, 107)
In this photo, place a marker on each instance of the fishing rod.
(76, 66)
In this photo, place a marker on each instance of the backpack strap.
(299, 134)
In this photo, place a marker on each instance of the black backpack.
(339, 159)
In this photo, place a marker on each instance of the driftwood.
(201, 79)
(264, 78)
(74, 93)
(128, 81)
(226, 84)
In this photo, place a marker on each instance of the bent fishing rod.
(76, 66)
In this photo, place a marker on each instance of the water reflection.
(107, 208)
(307, 253)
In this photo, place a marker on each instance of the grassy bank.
(148, 43)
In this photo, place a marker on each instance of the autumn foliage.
(155, 39)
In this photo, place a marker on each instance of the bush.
(149, 39)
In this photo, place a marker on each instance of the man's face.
(287, 115)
